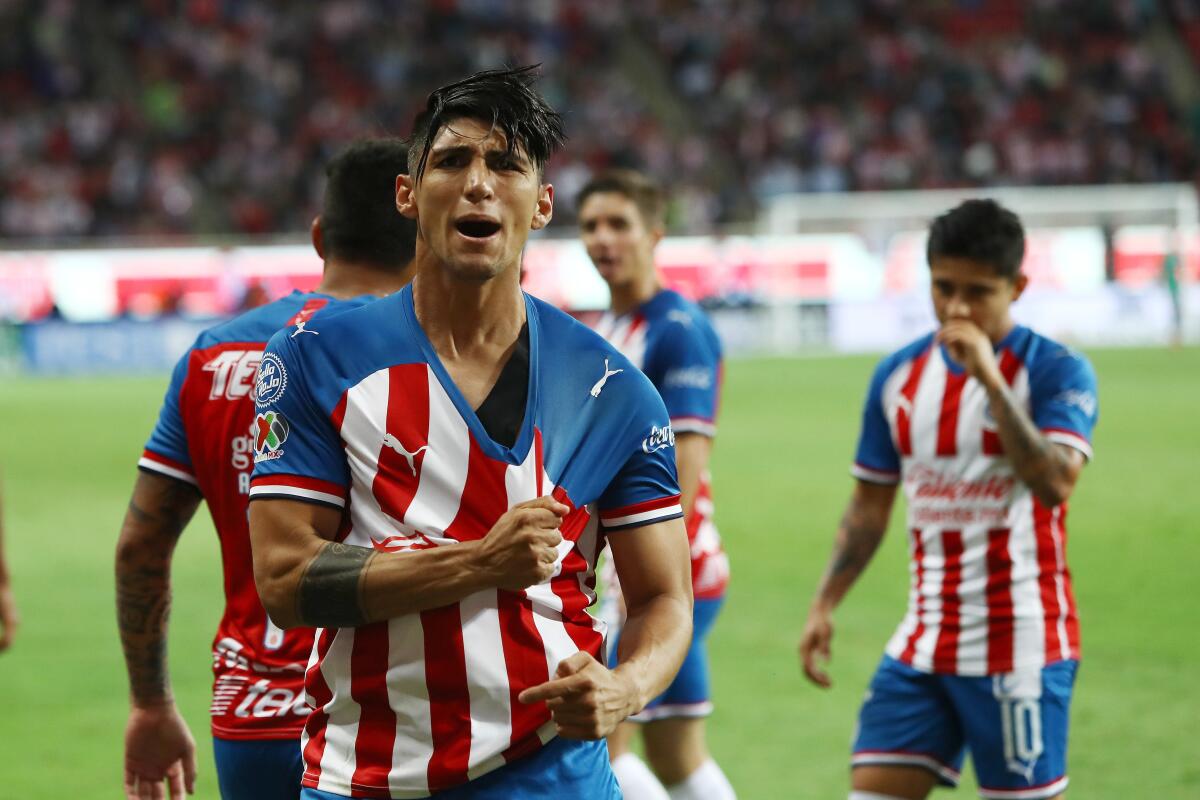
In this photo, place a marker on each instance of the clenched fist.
(521, 549)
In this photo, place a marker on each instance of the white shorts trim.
(1052, 789)
(947, 774)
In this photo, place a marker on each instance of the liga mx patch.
(270, 431)
(271, 381)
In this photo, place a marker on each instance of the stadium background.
(160, 163)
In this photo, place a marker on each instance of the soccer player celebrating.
(203, 446)
(987, 425)
(671, 340)
(455, 457)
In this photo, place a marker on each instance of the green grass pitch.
(787, 431)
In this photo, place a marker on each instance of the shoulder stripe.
(292, 493)
(700, 425)
(882, 476)
(645, 513)
(1071, 439)
(153, 462)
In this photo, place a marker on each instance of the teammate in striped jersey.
(203, 446)
(987, 426)
(672, 341)
(450, 462)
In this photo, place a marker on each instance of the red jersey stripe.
(1009, 366)
(1000, 637)
(525, 660)
(918, 559)
(399, 473)
(903, 412)
(945, 651)
(377, 722)
(310, 307)
(1043, 521)
(485, 496)
(947, 441)
(449, 703)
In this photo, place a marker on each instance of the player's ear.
(544, 210)
(318, 238)
(406, 196)
(1019, 284)
(656, 234)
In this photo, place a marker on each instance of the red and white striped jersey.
(203, 438)
(364, 417)
(671, 340)
(990, 590)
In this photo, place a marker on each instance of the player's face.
(475, 204)
(966, 289)
(617, 238)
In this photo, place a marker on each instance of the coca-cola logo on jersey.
(929, 484)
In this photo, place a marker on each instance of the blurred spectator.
(211, 116)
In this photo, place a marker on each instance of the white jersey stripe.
(931, 589)
(1029, 634)
(973, 609)
(363, 429)
(487, 682)
(1059, 584)
(443, 469)
(341, 728)
(409, 698)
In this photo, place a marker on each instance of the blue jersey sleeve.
(685, 367)
(1063, 399)
(166, 452)
(876, 459)
(297, 451)
(645, 490)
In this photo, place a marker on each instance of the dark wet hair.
(645, 193)
(503, 98)
(360, 222)
(980, 230)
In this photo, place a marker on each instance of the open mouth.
(477, 228)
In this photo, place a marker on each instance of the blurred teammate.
(457, 454)
(670, 339)
(987, 425)
(9, 618)
(203, 445)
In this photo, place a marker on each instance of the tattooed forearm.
(859, 534)
(1038, 462)
(330, 592)
(157, 514)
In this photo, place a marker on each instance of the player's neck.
(464, 317)
(628, 296)
(345, 280)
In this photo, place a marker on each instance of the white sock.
(872, 796)
(708, 782)
(636, 780)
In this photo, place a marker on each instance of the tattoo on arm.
(855, 546)
(143, 570)
(330, 593)
(1034, 458)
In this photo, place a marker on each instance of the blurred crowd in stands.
(162, 117)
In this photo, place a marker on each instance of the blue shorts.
(689, 694)
(1014, 724)
(563, 768)
(258, 769)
